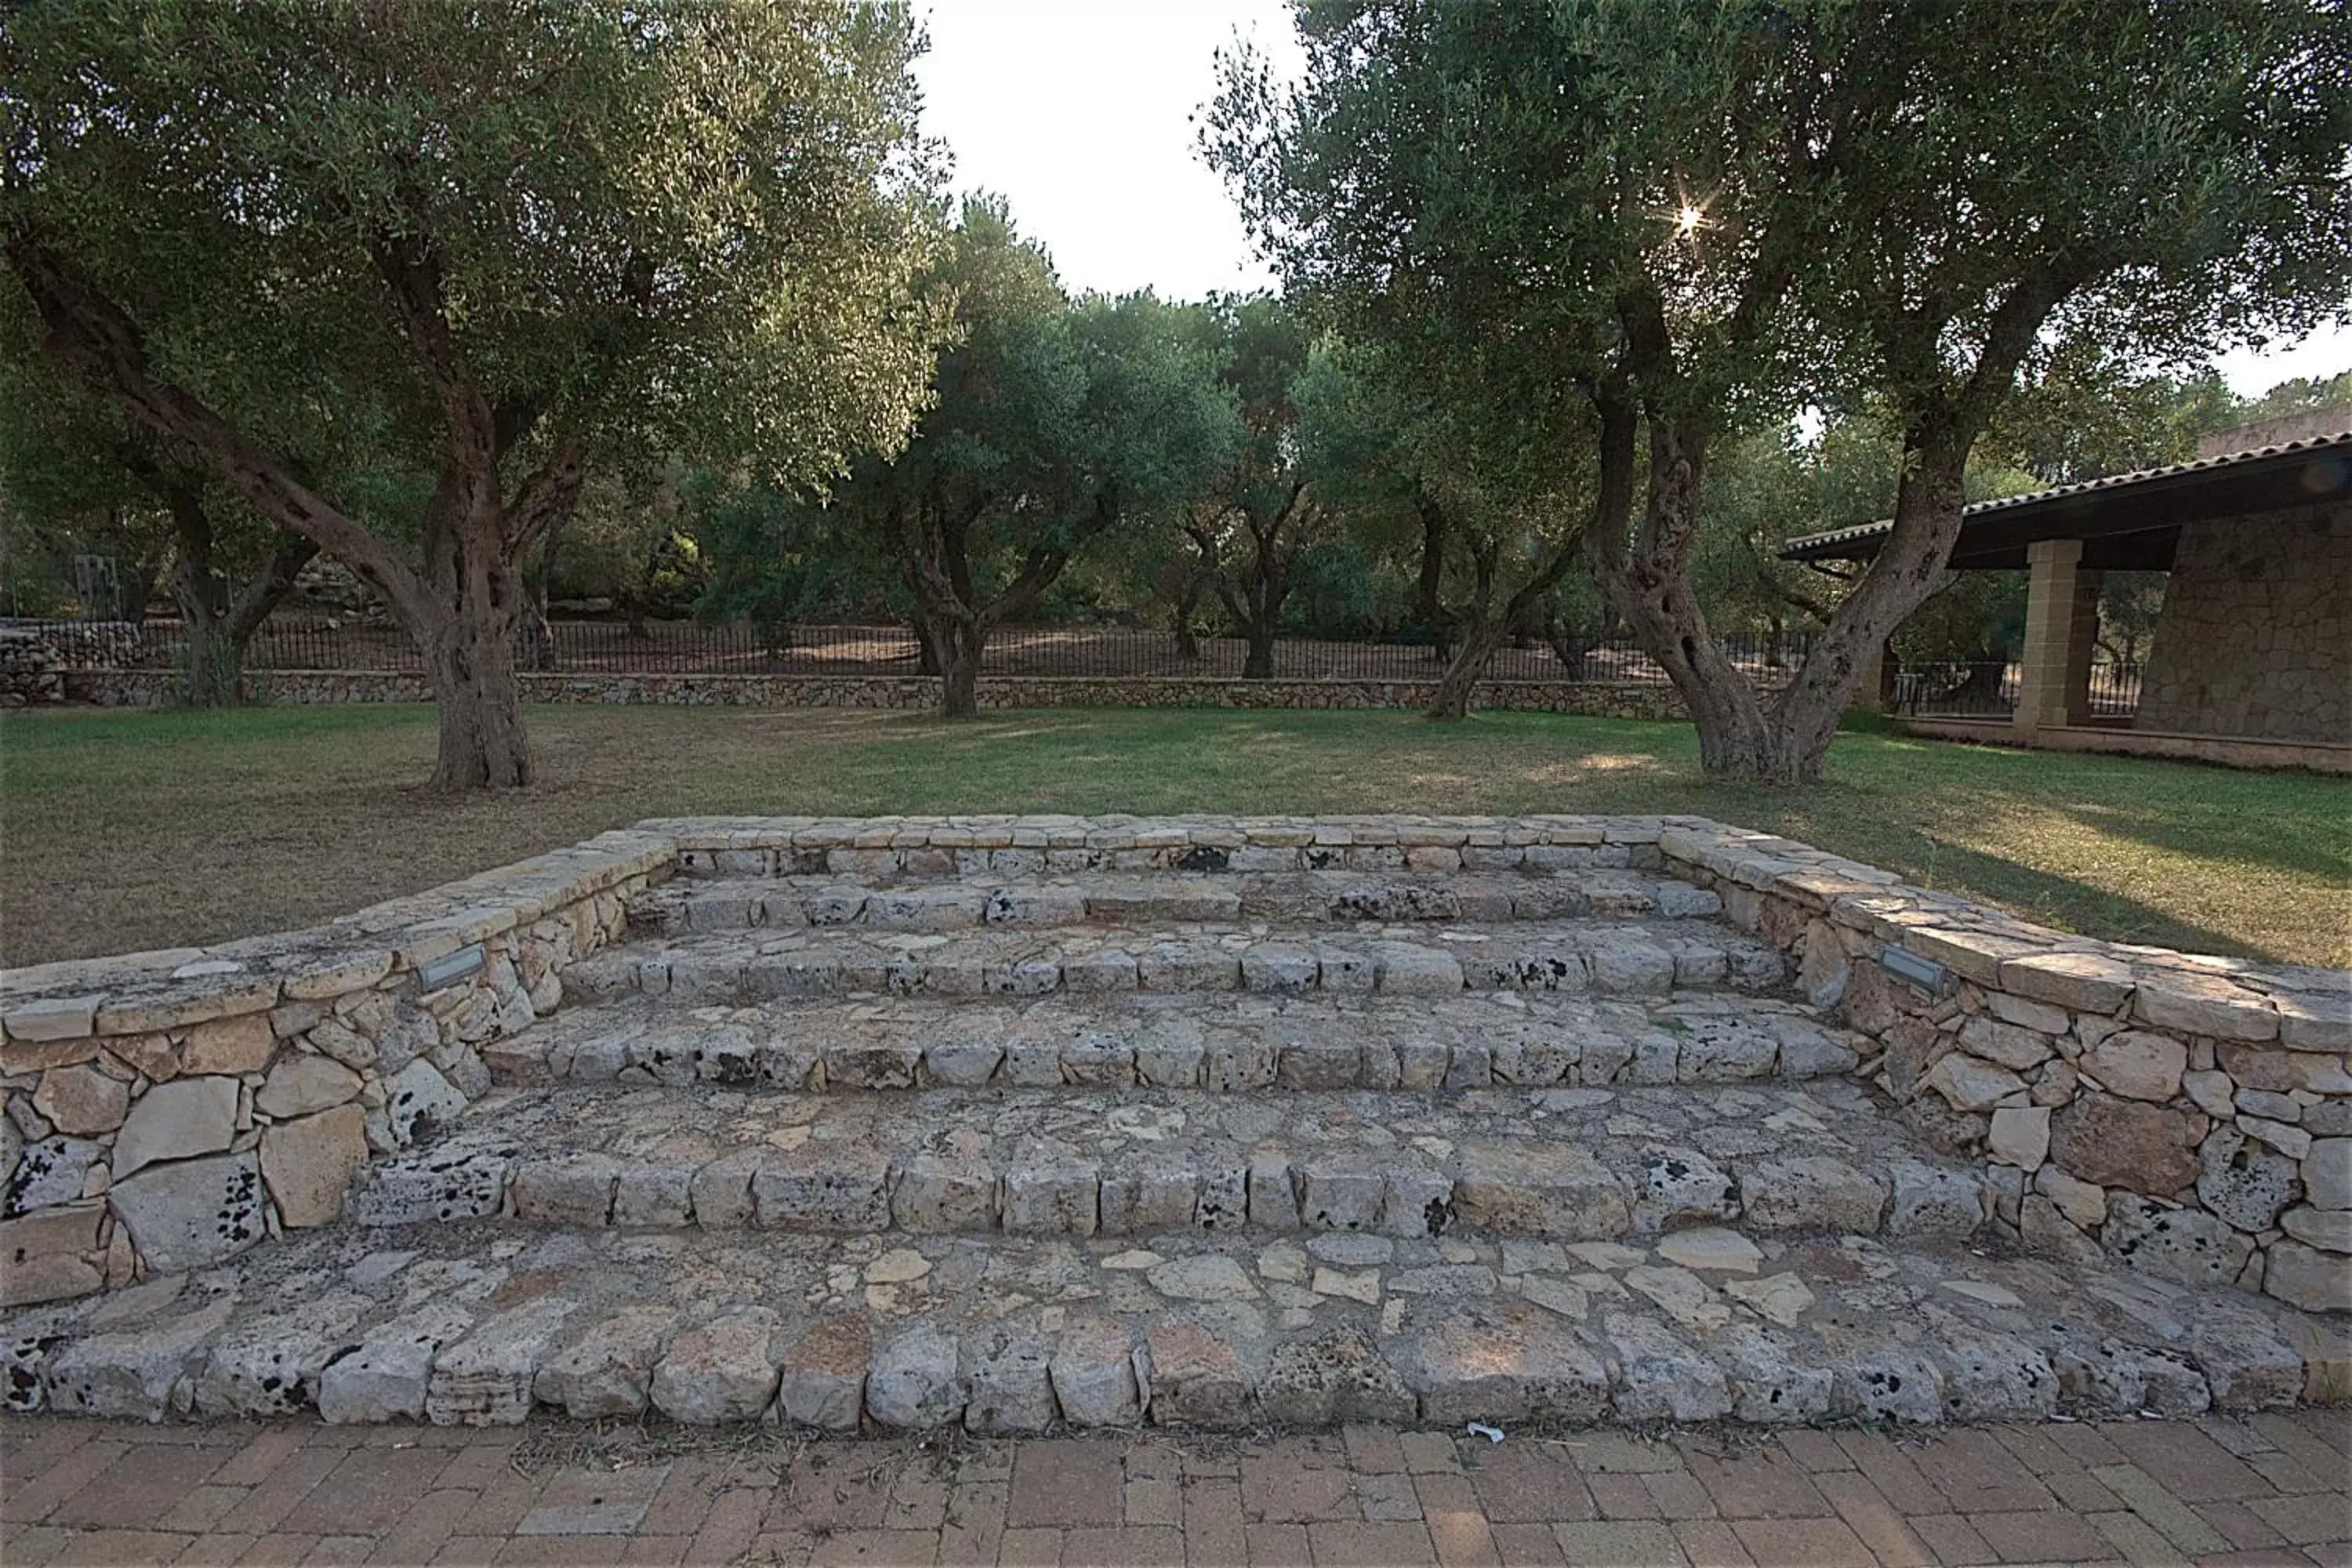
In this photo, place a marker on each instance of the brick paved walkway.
(2272, 1488)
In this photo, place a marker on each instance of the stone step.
(999, 899)
(485, 1324)
(1217, 1040)
(1577, 1165)
(1628, 958)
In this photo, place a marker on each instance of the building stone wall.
(2256, 635)
(1601, 700)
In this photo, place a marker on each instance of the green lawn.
(148, 830)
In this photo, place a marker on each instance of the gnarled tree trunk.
(220, 618)
(960, 645)
(1481, 635)
(471, 659)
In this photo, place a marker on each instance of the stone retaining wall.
(2190, 1115)
(167, 1110)
(1604, 700)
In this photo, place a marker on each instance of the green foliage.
(688, 229)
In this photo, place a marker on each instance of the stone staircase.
(905, 1140)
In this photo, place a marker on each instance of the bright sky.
(1079, 112)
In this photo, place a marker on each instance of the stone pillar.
(2062, 624)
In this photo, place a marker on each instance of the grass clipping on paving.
(128, 830)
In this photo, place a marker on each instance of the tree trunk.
(538, 636)
(1481, 634)
(1432, 581)
(927, 648)
(470, 657)
(1259, 664)
(961, 646)
(220, 621)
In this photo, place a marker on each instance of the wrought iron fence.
(683, 647)
(1988, 689)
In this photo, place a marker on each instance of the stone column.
(2062, 624)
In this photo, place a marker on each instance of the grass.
(125, 830)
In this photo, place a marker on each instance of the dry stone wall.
(1608, 700)
(167, 1110)
(2188, 1114)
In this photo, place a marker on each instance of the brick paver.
(2275, 1488)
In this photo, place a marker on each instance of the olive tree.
(1699, 216)
(543, 241)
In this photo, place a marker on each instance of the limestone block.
(1884, 1379)
(1409, 969)
(51, 1172)
(1049, 1191)
(190, 1212)
(2330, 1230)
(1146, 1199)
(1197, 1376)
(137, 1374)
(1813, 1192)
(238, 1045)
(2327, 1174)
(1934, 1200)
(1538, 1189)
(486, 1379)
(2138, 1065)
(270, 1364)
(1011, 1379)
(457, 1185)
(2082, 981)
(1808, 1050)
(2012, 1046)
(301, 1084)
(2028, 1013)
(1497, 1359)
(648, 1195)
(1992, 1377)
(913, 1384)
(2114, 1142)
(724, 1369)
(2195, 1004)
(829, 1187)
(1208, 1277)
(2211, 1092)
(822, 1375)
(2305, 1276)
(2083, 1205)
(1770, 1381)
(420, 1102)
(2314, 1020)
(2243, 1182)
(1093, 1374)
(82, 1100)
(308, 1163)
(1823, 968)
(2246, 1362)
(58, 1019)
(175, 1120)
(2021, 1135)
(2187, 1245)
(153, 1056)
(1711, 1249)
(568, 1189)
(1967, 1083)
(43, 1255)
(1676, 1187)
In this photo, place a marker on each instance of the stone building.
(2253, 652)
